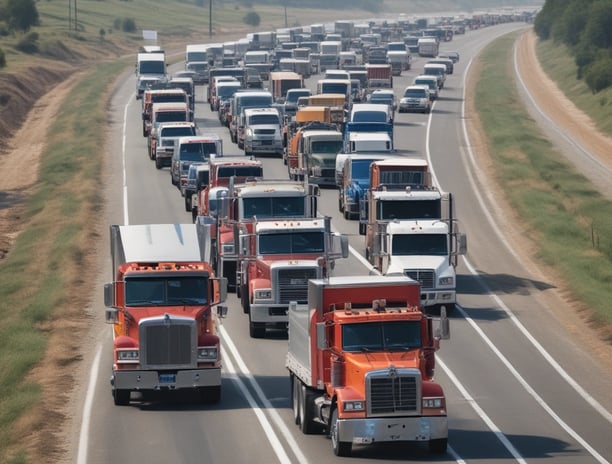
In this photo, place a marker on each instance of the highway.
(518, 388)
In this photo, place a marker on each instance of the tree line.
(585, 26)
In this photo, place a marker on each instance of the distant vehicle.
(385, 96)
(415, 98)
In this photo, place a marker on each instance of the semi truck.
(311, 153)
(411, 230)
(160, 303)
(361, 361)
(276, 259)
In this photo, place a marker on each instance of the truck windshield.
(273, 207)
(381, 336)
(166, 291)
(169, 116)
(360, 169)
(182, 131)
(291, 243)
(152, 67)
(197, 151)
(418, 245)
(413, 209)
(327, 146)
(269, 119)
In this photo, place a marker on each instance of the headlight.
(350, 406)
(207, 353)
(433, 403)
(228, 248)
(446, 280)
(127, 356)
(265, 294)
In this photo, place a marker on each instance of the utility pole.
(209, 18)
(286, 24)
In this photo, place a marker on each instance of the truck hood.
(142, 312)
(360, 363)
(399, 263)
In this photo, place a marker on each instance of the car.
(415, 99)
(383, 96)
(429, 81)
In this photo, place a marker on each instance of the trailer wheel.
(158, 163)
(295, 399)
(244, 299)
(341, 448)
(308, 426)
(121, 397)
(438, 446)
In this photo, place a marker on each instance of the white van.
(262, 131)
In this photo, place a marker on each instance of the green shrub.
(598, 75)
(252, 19)
(29, 43)
(128, 25)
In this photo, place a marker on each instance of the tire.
(362, 228)
(187, 203)
(340, 207)
(244, 300)
(346, 214)
(296, 401)
(256, 329)
(307, 412)
(121, 397)
(341, 448)
(194, 214)
(158, 163)
(438, 446)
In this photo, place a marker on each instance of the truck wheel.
(307, 413)
(244, 299)
(158, 163)
(362, 229)
(210, 395)
(121, 397)
(438, 446)
(256, 329)
(295, 399)
(194, 214)
(341, 448)
(347, 215)
(340, 208)
(187, 202)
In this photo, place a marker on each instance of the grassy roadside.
(567, 218)
(560, 67)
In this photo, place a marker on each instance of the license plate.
(167, 378)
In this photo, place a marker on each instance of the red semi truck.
(361, 360)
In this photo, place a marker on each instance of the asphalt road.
(518, 388)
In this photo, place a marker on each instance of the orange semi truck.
(160, 304)
(361, 360)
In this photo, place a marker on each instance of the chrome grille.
(394, 392)
(293, 284)
(167, 342)
(426, 277)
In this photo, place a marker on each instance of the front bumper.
(270, 313)
(435, 297)
(366, 431)
(165, 380)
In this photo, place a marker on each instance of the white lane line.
(286, 433)
(83, 446)
(554, 364)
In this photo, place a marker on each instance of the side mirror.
(109, 295)
(111, 315)
(461, 244)
(443, 330)
(321, 336)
